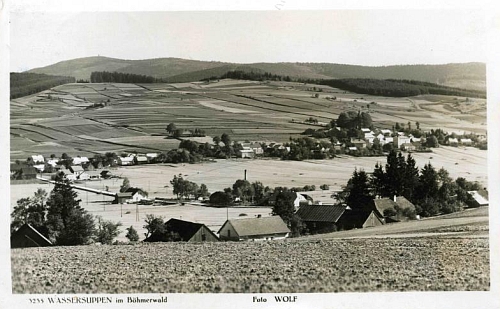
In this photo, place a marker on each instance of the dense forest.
(398, 88)
(116, 77)
(251, 75)
(23, 84)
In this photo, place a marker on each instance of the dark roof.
(134, 190)
(320, 213)
(124, 194)
(29, 170)
(404, 203)
(382, 204)
(185, 229)
(28, 236)
(17, 167)
(258, 226)
(356, 218)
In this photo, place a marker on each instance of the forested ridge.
(398, 88)
(116, 77)
(23, 84)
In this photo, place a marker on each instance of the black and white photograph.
(275, 155)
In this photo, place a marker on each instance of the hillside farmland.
(86, 119)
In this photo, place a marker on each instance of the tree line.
(398, 88)
(23, 84)
(431, 191)
(251, 75)
(116, 77)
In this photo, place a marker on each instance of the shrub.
(106, 231)
(132, 234)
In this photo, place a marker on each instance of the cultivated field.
(135, 116)
(347, 265)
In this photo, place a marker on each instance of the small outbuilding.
(479, 197)
(180, 230)
(260, 228)
(122, 197)
(28, 236)
(358, 219)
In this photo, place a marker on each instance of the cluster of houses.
(316, 218)
(385, 136)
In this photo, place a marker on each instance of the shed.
(186, 231)
(28, 236)
(260, 228)
(480, 198)
(321, 218)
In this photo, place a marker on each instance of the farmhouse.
(53, 162)
(388, 208)
(28, 236)
(320, 218)
(358, 219)
(80, 160)
(137, 194)
(466, 141)
(247, 152)
(268, 228)
(78, 173)
(400, 140)
(358, 143)
(480, 198)
(94, 175)
(122, 197)
(299, 199)
(126, 160)
(453, 141)
(185, 231)
(408, 147)
(141, 159)
(38, 159)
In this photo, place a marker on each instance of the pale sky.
(364, 37)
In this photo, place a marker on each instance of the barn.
(185, 231)
(28, 236)
(137, 194)
(479, 197)
(321, 218)
(267, 228)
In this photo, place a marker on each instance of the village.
(315, 216)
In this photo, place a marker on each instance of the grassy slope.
(463, 75)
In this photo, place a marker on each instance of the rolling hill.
(462, 75)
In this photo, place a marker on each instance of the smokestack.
(395, 198)
(245, 175)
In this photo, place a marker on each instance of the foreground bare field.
(355, 265)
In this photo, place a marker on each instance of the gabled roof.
(142, 159)
(404, 203)
(480, 196)
(321, 213)
(185, 229)
(76, 168)
(356, 218)
(25, 230)
(382, 204)
(258, 226)
(124, 194)
(133, 191)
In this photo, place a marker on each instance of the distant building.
(268, 228)
(358, 143)
(453, 141)
(80, 160)
(141, 159)
(466, 141)
(28, 172)
(78, 173)
(299, 199)
(126, 160)
(28, 236)
(247, 153)
(186, 231)
(480, 198)
(122, 197)
(38, 159)
(358, 219)
(400, 140)
(320, 218)
(137, 194)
